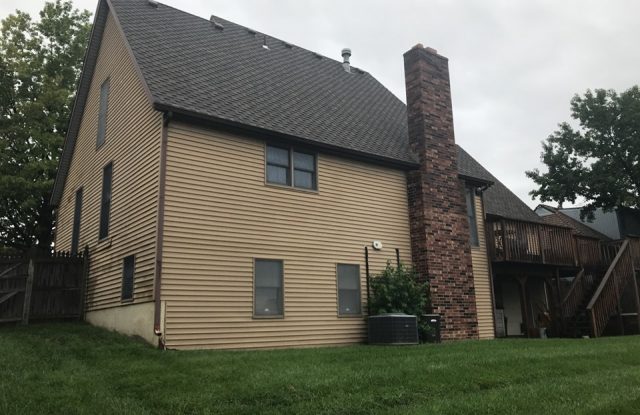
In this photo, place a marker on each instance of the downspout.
(157, 315)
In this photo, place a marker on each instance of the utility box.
(434, 322)
(393, 328)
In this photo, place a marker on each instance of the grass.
(78, 369)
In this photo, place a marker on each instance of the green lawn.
(75, 368)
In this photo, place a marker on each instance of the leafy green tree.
(598, 161)
(40, 63)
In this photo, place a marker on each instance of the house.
(235, 190)
(615, 224)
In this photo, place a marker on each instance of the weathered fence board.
(39, 287)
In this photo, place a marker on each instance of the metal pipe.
(398, 257)
(366, 264)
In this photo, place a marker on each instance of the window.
(75, 236)
(289, 167)
(102, 114)
(128, 271)
(105, 206)
(471, 215)
(278, 166)
(268, 288)
(348, 289)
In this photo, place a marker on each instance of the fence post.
(84, 278)
(26, 307)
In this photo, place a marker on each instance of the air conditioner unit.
(393, 328)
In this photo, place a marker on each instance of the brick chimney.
(439, 226)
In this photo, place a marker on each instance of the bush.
(397, 290)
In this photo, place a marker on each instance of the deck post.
(637, 297)
(524, 304)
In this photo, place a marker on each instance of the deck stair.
(595, 296)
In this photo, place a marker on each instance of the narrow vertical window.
(471, 214)
(278, 166)
(77, 212)
(128, 272)
(105, 206)
(268, 288)
(304, 170)
(348, 289)
(102, 113)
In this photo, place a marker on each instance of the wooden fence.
(41, 286)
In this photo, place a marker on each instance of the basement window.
(348, 290)
(268, 292)
(128, 271)
(290, 167)
(471, 215)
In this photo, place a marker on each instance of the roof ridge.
(249, 29)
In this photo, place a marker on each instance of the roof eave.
(234, 126)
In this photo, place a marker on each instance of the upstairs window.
(289, 167)
(102, 113)
(348, 290)
(105, 204)
(471, 215)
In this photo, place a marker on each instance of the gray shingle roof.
(194, 68)
(228, 74)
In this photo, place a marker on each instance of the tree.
(40, 63)
(600, 160)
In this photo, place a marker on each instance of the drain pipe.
(157, 314)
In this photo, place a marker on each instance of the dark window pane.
(303, 179)
(278, 156)
(304, 161)
(105, 206)
(75, 236)
(128, 271)
(349, 301)
(279, 175)
(348, 289)
(102, 114)
(471, 214)
(268, 291)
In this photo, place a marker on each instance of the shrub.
(397, 290)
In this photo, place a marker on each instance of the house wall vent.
(153, 3)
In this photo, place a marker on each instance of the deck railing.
(517, 241)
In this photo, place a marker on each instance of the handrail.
(606, 300)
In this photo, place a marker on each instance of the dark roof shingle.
(190, 66)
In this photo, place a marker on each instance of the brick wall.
(439, 226)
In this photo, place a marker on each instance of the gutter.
(157, 281)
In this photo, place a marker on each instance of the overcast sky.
(514, 64)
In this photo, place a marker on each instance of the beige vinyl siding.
(482, 278)
(220, 215)
(132, 143)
